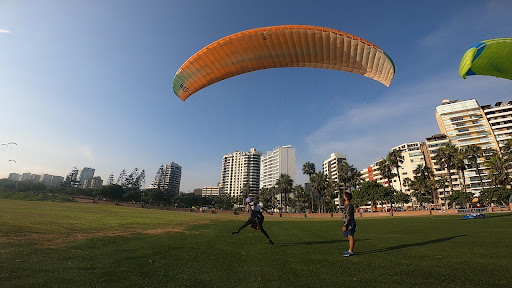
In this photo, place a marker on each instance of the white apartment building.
(330, 169)
(14, 177)
(210, 191)
(93, 183)
(464, 123)
(48, 180)
(412, 157)
(238, 169)
(85, 174)
(172, 178)
(280, 160)
(330, 166)
(26, 176)
(500, 119)
(372, 173)
(56, 181)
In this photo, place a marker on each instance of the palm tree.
(460, 165)
(246, 190)
(473, 154)
(441, 183)
(427, 174)
(355, 178)
(284, 185)
(386, 170)
(506, 150)
(445, 158)
(498, 171)
(298, 190)
(265, 197)
(319, 184)
(395, 159)
(309, 169)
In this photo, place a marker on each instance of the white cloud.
(5, 31)
(87, 153)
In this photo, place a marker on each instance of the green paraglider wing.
(491, 57)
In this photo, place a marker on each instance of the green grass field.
(46, 244)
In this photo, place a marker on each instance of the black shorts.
(351, 229)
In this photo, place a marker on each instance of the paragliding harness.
(254, 216)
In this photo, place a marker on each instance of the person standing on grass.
(349, 224)
(256, 218)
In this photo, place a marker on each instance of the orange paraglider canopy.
(278, 47)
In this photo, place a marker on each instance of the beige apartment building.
(412, 157)
(432, 144)
(465, 123)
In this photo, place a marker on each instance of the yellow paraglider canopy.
(491, 57)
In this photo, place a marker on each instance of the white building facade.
(86, 173)
(172, 178)
(500, 119)
(330, 166)
(280, 160)
(210, 191)
(412, 157)
(238, 169)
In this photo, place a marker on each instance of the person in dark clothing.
(349, 224)
(256, 218)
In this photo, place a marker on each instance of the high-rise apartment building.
(26, 176)
(280, 160)
(172, 178)
(500, 119)
(464, 123)
(412, 157)
(86, 173)
(330, 166)
(239, 169)
(48, 180)
(432, 144)
(14, 177)
(168, 179)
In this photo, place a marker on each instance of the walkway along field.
(307, 215)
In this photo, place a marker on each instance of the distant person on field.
(349, 224)
(256, 218)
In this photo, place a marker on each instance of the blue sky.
(89, 83)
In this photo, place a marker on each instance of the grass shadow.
(308, 243)
(497, 216)
(403, 246)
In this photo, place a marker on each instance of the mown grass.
(440, 251)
